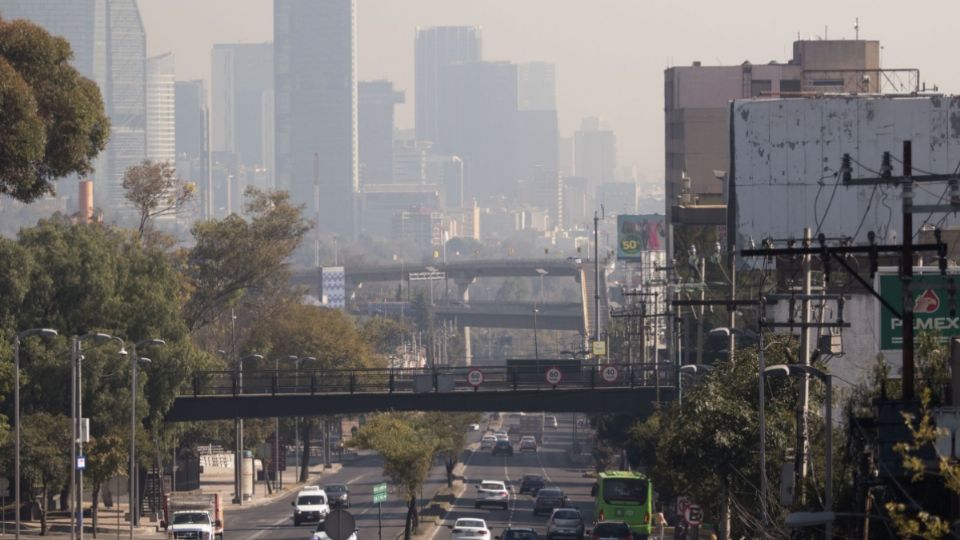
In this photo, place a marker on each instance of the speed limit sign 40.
(475, 377)
(554, 376)
(610, 374)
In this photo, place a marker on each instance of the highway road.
(274, 521)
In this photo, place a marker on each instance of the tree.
(408, 445)
(44, 437)
(450, 432)
(107, 457)
(52, 120)
(155, 190)
(233, 256)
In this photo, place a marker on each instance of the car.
(611, 530)
(518, 533)
(548, 499)
(531, 483)
(565, 522)
(339, 495)
(550, 422)
(502, 435)
(469, 529)
(473, 427)
(487, 441)
(310, 505)
(492, 493)
(320, 533)
(502, 447)
(528, 443)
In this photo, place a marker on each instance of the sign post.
(4, 487)
(380, 495)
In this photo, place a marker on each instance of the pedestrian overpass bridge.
(596, 388)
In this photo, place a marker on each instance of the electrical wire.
(833, 194)
(866, 212)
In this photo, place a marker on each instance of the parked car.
(611, 530)
(531, 483)
(528, 443)
(474, 427)
(469, 529)
(502, 447)
(565, 522)
(548, 499)
(339, 495)
(517, 533)
(550, 422)
(492, 492)
(487, 442)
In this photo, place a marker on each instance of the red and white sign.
(693, 514)
(554, 376)
(610, 374)
(475, 377)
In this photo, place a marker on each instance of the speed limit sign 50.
(475, 377)
(554, 376)
(610, 374)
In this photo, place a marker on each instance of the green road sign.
(379, 493)
(932, 303)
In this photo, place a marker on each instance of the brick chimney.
(85, 210)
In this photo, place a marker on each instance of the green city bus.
(624, 496)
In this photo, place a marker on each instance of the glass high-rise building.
(109, 46)
(161, 111)
(241, 84)
(315, 103)
(436, 48)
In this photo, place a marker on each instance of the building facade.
(161, 109)
(375, 124)
(436, 48)
(595, 152)
(315, 89)
(192, 141)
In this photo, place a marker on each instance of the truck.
(193, 515)
(531, 424)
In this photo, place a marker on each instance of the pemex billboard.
(637, 234)
(934, 307)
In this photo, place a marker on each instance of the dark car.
(516, 533)
(531, 483)
(503, 447)
(547, 500)
(611, 530)
(339, 495)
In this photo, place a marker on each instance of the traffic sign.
(340, 525)
(693, 514)
(475, 377)
(598, 347)
(379, 493)
(81, 463)
(554, 376)
(610, 373)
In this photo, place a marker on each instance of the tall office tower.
(538, 142)
(192, 141)
(241, 105)
(478, 123)
(437, 47)
(161, 109)
(315, 89)
(109, 47)
(595, 152)
(375, 130)
(537, 86)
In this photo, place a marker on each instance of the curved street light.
(238, 428)
(135, 362)
(43, 332)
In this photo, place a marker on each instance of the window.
(625, 490)
(311, 499)
(759, 87)
(790, 85)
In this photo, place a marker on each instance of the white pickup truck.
(193, 516)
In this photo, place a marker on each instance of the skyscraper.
(241, 82)
(595, 152)
(109, 46)
(537, 86)
(437, 47)
(161, 109)
(375, 126)
(315, 89)
(478, 123)
(192, 141)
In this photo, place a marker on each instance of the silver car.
(565, 522)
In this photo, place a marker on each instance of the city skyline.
(664, 35)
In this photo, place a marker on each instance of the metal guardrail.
(421, 380)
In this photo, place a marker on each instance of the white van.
(311, 504)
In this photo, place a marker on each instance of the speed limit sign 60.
(610, 374)
(475, 377)
(554, 376)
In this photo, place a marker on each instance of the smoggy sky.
(610, 54)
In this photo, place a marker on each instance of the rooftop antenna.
(856, 27)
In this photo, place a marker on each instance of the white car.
(311, 504)
(492, 493)
(487, 442)
(469, 529)
(502, 436)
(320, 533)
(474, 427)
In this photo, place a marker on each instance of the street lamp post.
(135, 362)
(801, 370)
(536, 343)
(296, 429)
(45, 332)
(238, 458)
(690, 369)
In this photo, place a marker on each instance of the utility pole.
(703, 296)
(596, 277)
(803, 443)
(906, 271)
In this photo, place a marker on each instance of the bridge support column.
(463, 291)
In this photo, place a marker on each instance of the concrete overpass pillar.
(463, 292)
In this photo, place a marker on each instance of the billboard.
(637, 234)
(932, 306)
(334, 287)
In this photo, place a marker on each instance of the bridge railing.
(439, 379)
